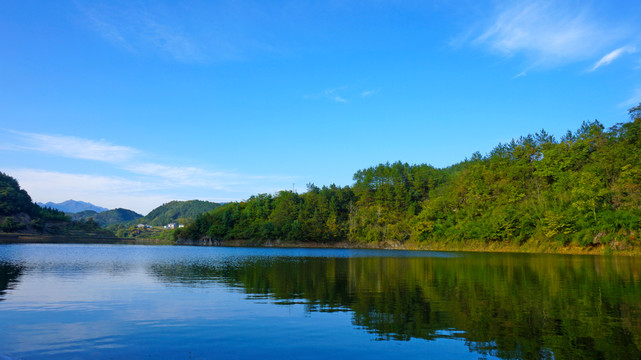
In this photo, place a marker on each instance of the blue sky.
(135, 103)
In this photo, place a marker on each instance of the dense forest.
(582, 189)
(106, 218)
(177, 212)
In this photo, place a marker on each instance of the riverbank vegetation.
(582, 190)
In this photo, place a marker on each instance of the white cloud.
(611, 56)
(107, 191)
(140, 195)
(143, 185)
(169, 172)
(77, 148)
(547, 33)
(180, 176)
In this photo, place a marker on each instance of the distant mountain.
(72, 206)
(172, 212)
(177, 212)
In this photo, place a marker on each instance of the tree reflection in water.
(9, 275)
(510, 306)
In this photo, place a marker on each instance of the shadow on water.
(510, 306)
(9, 276)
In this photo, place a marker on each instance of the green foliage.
(108, 217)
(536, 187)
(159, 234)
(583, 189)
(82, 215)
(10, 225)
(177, 212)
(50, 214)
(85, 225)
(319, 215)
(389, 196)
(13, 199)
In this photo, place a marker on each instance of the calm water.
(114, 302)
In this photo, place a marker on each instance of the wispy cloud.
(539, 28)
(368, 93)
(546, 33)
(338, 99)
(141, 185)
(169, 172)
(181, 176)
(611, 56)
(137, 29)
(74, 147)
(108, 191)
(329, 94)
(341, 94)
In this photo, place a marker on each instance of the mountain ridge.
(73, 206)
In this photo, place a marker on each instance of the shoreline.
(463, 246)
(18, 238)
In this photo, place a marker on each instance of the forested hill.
(177, 212)
(109, 217)
(19, 213)
(582, 189)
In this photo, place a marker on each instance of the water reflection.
(510, 306)
(9, 275)
(173, 302)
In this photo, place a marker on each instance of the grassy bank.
(78, 239)
(16, 238)
(475, 246)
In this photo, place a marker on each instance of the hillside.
(109, 217)
(73, 206)
(582, 190)
(83, 215)
(177, 212)
(13, 199)
(19, 214)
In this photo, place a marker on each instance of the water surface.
(118, 301)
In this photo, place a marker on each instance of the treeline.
(584, 188)
(177, 211)
(321, 215)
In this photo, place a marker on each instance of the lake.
(68, 301)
